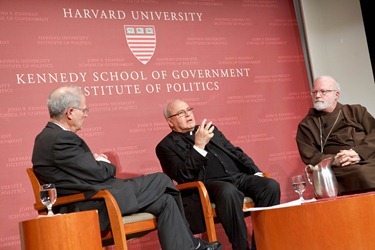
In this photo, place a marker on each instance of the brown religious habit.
(321, 135)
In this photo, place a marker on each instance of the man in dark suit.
(192, 153)
(63, 158)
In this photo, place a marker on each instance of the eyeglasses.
(322, 92)
(183, 113)
(85, 111)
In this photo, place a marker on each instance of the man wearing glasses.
(192, 153)
(61, 157)
(345, 132)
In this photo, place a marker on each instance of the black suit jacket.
(63, 158)
(181, 162)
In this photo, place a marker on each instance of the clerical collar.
(188, 133)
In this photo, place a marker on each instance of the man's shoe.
(204, 245)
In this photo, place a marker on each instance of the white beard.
(320, 105)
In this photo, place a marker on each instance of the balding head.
(63, 98)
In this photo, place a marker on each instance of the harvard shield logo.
(141, 40)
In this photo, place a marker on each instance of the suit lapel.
(186, 143)
(217, 143)
(181, 141)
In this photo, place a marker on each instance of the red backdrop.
(238, 63)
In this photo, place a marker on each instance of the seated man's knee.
(273, 185)
(229, 192)
(164, 177)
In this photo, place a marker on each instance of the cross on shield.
(141, 40)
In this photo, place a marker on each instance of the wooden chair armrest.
(206, 206)
(203, 194)
(195, 184)
(115, 217)
(113, 210)
(63, 200)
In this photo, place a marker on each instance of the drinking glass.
(48, 196)
(299, 185)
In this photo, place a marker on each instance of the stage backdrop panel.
(237, 63)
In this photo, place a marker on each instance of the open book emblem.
(141, 40)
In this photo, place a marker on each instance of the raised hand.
(204, 134)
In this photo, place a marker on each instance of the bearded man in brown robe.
(345, 132)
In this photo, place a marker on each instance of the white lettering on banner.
(136, 15)
(16, 188)
(122, 76)
(91, 13)
(186, 76)
(192, 86)
(117, 76)
(110, 90)
(51, 78)
(213, 73)
(166, 16)
(7, 241)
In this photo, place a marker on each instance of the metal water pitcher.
(323, 179)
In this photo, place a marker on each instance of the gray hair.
(166, 111)
(63, 98)
(331, 79)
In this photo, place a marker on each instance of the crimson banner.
(238, 63)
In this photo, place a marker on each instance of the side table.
(71, 231)
(345, 223)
